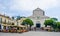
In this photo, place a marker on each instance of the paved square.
(32, 33)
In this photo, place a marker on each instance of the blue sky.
(26, 7)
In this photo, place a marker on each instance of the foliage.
(18, 18)
(53, 23)
(28, 22)
(12, 17)
(58, 25)
(48, 22)
(54, 19)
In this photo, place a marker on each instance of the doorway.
(38, 25)
(0, 26)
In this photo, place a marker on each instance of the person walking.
(35, 28)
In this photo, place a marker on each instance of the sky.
(26, 7)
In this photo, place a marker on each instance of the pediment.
(38, 9)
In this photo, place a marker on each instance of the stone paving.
(32, 33)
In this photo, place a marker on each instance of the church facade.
(38, 17)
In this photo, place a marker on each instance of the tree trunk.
(27, 27)
(45, 25)
(30, 27)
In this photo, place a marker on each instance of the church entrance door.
(38, 25)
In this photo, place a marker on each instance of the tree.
(12, 17)
(48, 22)
(53, 23)
(54, 19)
(28, 22)
(18, 18)
(58, 25)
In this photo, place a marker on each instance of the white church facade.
(38, 17)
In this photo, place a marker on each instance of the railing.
(5, 23)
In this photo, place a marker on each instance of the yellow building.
(7, 23)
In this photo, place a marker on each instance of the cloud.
(2, 7)
(46, 4)
(32, 4)
(24, 7)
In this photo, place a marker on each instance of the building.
(38, 17)
(8, 23)
(4, 21)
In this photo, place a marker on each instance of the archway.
(38, 25)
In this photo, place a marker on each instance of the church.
(38, 18)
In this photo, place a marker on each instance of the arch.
(38, 25)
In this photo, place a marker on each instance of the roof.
(21, 26)
(5, 16)
(38, 9)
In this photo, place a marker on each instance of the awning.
(21, 26)
(4, 24)
(13, 25)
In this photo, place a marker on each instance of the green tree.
(48, 22)
(54, 23)
(54, 19)
(12, 17)
(58, 25)
(51, 22)
(18, 18)
(28, 22)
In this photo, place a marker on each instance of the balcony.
(4, 22)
